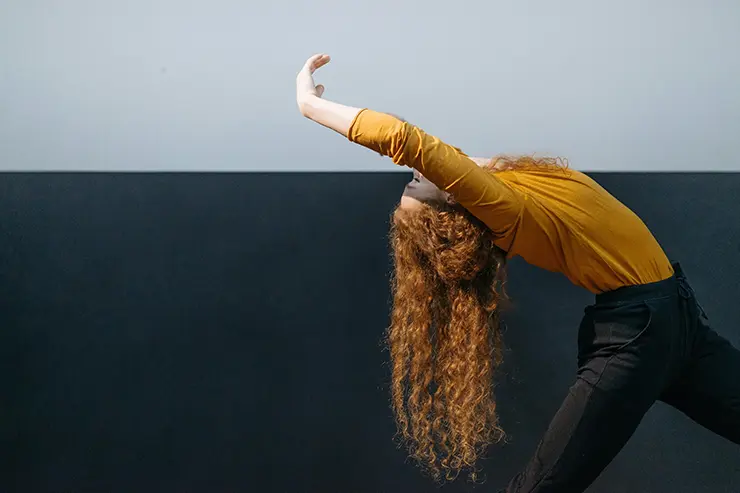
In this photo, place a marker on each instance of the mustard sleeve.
(476, 189)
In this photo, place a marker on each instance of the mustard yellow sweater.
(559, 220)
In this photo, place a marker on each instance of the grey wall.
(196, 85)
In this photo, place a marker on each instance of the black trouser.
(636, 345)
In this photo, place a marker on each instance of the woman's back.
(570, 224)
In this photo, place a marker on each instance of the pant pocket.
(617, 327)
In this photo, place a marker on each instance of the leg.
(708, 390)
(587, 432)
(622, 369)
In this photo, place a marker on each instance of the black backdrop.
(222, 333)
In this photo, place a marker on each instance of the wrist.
(306, 104)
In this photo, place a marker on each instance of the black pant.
(636, 345)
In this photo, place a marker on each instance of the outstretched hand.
(305, 85)
(335, 116)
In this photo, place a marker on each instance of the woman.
(644, 339)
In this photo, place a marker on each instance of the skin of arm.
(334, 116)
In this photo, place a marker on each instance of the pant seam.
(592, 388)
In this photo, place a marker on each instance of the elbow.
(400, 144)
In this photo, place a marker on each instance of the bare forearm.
(335, 116)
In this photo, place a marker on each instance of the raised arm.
(446, 166)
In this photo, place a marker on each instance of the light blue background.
(209, 85)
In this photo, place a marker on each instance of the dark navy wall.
(222, 333)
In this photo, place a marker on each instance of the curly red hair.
(444, 338)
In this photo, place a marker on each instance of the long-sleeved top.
(558, 219)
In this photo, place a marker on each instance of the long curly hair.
(444, 338)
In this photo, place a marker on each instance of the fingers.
(304, 81)
(316, 62)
